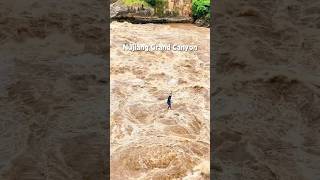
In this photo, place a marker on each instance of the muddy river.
(148, 141)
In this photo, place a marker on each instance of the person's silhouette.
(169, 101)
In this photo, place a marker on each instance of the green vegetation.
(151, 2)
(135, 2)
(156, 3)
(159, 7)
(201, 9)
(146, 3)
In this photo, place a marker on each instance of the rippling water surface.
(147, 140)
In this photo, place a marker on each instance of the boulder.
(118, 9)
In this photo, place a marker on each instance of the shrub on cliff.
(151, 2)
(200, 9)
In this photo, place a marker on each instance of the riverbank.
(144, 15)
(154, 20)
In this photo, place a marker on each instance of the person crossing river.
(169, 100)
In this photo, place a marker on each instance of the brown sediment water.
(147, 140)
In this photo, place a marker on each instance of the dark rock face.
(155, 20)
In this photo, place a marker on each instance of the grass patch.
(135, 3)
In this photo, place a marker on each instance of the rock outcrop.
(170, 12)
(118, 9)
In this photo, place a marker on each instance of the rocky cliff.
(180, 7)
(166, 11)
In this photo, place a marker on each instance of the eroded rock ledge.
(137, 15)
(155, 20)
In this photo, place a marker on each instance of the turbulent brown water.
(147, 140)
